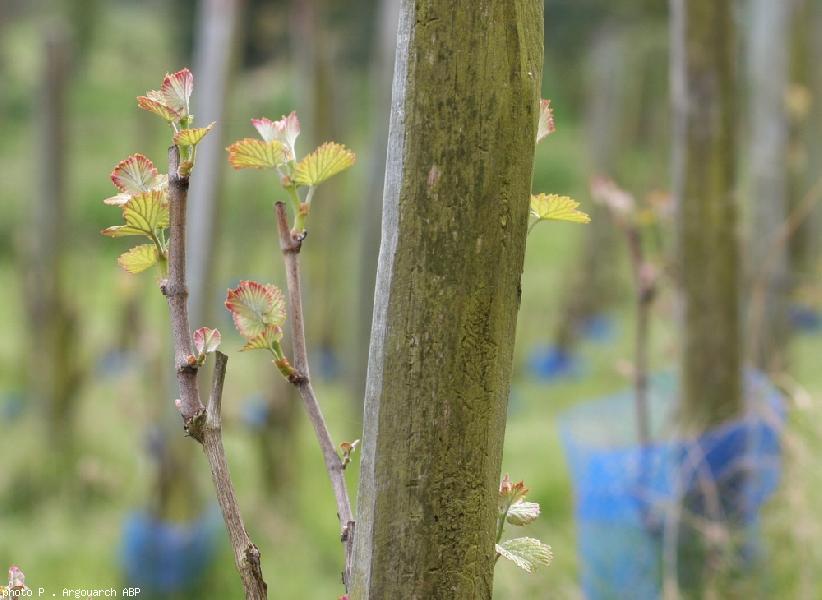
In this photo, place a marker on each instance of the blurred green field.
(69, 535)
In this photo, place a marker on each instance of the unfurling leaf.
(191, 137)
(326, 161)
(286, 131)
(250, 153)
(176, 90)
(151, 103)
(139, 258)
(136, 174)
(171, 102)
(522, 513)
(511, 492)
(557, 208)
(606, 192)
(117, 199)
(527, 553)
(207, 340)
(17, 581)
(546, 120)
(347, 449)
(266, 340)
(145, 214)
(254, 306)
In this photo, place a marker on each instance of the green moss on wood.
(705, 173)
(443, 339)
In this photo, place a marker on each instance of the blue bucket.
(625, 494)
(551, 363)
(162, 557)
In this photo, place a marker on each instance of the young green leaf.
(250, 153)
(171, 101)
(176, 91)
(139, 258)
(270, 335)
(121, 198)
(207, 340)
(546, 120)
(521, 513)
(136, 174)
(191, 137)
(254, 306)
(286, 130)
(557, 208)
(152, 103)
(145, 214)
(326, 161)
(510, 492)
(527, 553)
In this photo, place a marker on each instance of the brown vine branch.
(201, 423)
(622, 207)
(246, 554)
(175, 291)
(645, 292)
(290, 244)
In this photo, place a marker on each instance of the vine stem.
(176, 293)
(290, 244)
(645, 292)
(246, 553)
(203, 423)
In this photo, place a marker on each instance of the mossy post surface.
(458, 178)
(704, 186)
(704, 169)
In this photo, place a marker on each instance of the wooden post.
(53, 341)
(805, 146)
(215, 57)
(768, 182)
(594, 279)
(382, 70)
(455, 211)
(319, 96)
(704, 187)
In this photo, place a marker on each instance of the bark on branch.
(290, 244)
(175, 291)
(246, 553)
(645, 292)
(201, 423)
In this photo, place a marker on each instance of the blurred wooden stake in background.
(704, 178)
(767, 186)
(54, 362)
(215, 63)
